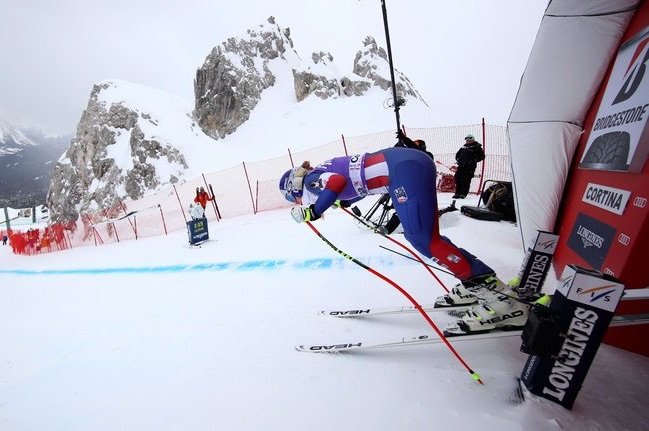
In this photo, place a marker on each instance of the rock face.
(120, 150)
(230, 82)
(110, 158)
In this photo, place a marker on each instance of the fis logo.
(602, 293)
(549, 246)
(546, 243)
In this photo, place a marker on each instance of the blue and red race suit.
(409, 176)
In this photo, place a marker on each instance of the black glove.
(302, 214)
(399, 139)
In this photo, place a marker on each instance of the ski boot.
(523, 293)
(467, 292)
(504, 314)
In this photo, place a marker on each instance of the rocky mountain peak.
(118, 152)
(230, 82)
(129, 138)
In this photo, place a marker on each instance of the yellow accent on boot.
(514, 282)
(543, 300)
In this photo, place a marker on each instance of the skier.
(202, 197)
(408, 176)
(403, 141)
(467, 158)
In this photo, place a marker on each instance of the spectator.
(467, 159)
(202, 197)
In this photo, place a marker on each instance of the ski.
(387, 311)
(401, 342)
(216, 206)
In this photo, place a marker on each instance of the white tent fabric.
(572, 51)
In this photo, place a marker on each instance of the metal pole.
(394, 87)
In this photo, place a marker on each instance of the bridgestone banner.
(618, 140)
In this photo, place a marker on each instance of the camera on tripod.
(386, 221)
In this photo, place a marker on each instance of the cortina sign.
(607, 198)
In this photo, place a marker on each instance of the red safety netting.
(252, 187)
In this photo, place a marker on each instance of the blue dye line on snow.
(252, 265)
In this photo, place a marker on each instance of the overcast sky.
(465, 57)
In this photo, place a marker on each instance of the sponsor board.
(615, 139)
(546, 242)
(538, 262)
(197, 230)
(590, 288)
(591, 239)
(607, 198)
(582, 309)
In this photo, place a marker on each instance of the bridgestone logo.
(607, 198)
(572, 350)
(619, 118)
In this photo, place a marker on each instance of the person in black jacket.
(419, 144)
(467, 159)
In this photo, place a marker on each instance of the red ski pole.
(400, 245)
(474, 375)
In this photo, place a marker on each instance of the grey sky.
(465, 57)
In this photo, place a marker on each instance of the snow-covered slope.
(153, 335)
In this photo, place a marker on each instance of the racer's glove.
(341, 204)
(301, 214)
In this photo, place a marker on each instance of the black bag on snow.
(499, 197)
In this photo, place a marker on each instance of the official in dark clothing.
(467, 159)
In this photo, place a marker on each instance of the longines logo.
(591, 239)
(607, 198)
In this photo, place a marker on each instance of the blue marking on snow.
(252, 265)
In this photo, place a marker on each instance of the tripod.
(388, 222)
(383, 204)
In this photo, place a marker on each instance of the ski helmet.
(290, 185)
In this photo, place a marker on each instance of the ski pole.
(360, 219)
(412, 258)
(417, 306)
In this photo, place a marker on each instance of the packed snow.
(153, 334)
(156, 335)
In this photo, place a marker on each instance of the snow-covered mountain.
(252, 93)
(26, 159)
(13, 140)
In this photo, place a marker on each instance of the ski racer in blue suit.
(409, 176)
